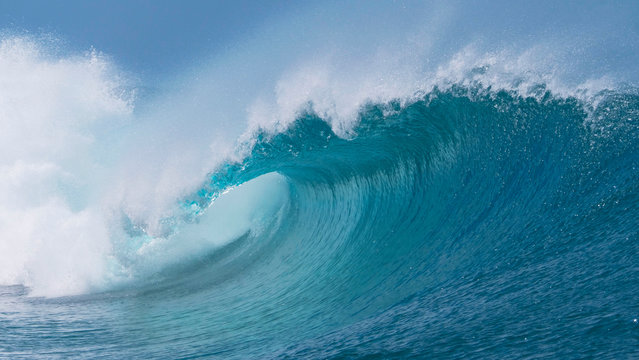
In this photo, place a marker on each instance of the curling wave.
(355, 182)
(456, 216)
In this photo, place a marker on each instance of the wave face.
(468, 222)
(403, 192)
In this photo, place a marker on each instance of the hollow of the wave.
(244, 210)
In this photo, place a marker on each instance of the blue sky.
(158, 38)
(144, 36)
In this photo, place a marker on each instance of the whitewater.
(388, 180)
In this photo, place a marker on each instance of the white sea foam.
(51, 239)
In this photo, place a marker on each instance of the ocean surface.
(472, 206)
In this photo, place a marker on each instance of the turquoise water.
(468, 223)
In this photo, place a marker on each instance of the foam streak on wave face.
(50, 111)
